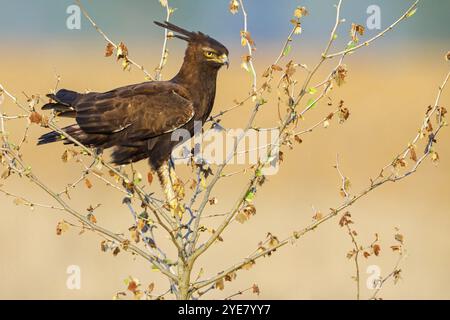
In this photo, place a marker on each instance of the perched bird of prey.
(138, 120)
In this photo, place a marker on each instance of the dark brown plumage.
(138, 120)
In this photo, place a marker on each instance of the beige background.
(387, 93)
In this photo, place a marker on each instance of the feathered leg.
(165, 178)
(177, 184)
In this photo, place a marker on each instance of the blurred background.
(389, 86)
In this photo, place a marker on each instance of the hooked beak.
(224, 60)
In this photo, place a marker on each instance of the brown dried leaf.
(92, 218)
(341, 74)
(122, 51)
(149, 178)
(66, 156)
(412, 153)
(133, 285)
(276, 67)
(376, 249)
(134, 234)
(344, 113)
(255, 289)
(213, 201)
(109, 50)
(345, 219)
(356, 29)
(88, 183)
(230, 276)
(104, 246)
(35, 118)
(298, 139)
(116, 251)
(61, 227)
(220, 284)
(397, 275)
(318, 215)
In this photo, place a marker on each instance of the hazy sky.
(45, 20)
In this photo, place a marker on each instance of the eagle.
(138, 120)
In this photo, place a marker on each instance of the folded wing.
(125, 115)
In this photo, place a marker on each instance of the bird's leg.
(165, 180)
(177, 184)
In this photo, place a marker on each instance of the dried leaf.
(109, 50)
(61, 227)
(255, 289)
(318, 216)
(132, 285)
(376, 249)
(104, 246)
(66, 156)
(412, 153)
(18, 201)
(340, 75)
(122, 51)
(35, 118)
(134, 234)
(434, 157)
(230, 276)
(88, 183)
(397, 275)
(248, 265)
(116, 251)
(300, 12)
(234, 6)
(399, 238)
(241, 217)
(355, 30)
(220, 284)
(92, 218)
(345, 219)
(276, 67)
(344, 113)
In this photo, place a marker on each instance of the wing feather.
(139, 112)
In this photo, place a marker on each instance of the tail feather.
(88, 139)
(63, 102)
(50, 137)
(54, 136)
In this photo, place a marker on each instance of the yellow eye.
(209, 54)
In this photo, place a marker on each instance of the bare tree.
(187, 233)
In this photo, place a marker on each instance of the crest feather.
(183, 33)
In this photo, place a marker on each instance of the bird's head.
(201, 47)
